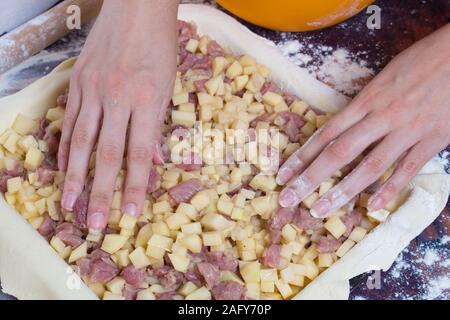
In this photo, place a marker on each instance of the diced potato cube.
(184, 118)
(192, 45)
(268, 275)
(23, 124)
(139, 259)
(224, 204)
(143, 235)
(288, 233)
(180, 98)
(268, 286)
(309, 201)
(114, 217)
(321, 120)
(33, 159)
(311, 269)
(160, 241)
(234, 70)
(13, 185)
(213, 221)
(11, 142)
(122, 257)
(251, 272)
(218, 65)
(213, 238)
(127, 221)
(284, 288)
(27, 142)
(253, 290)
(179, 263)
(201, 200)
(345, 247)
(79, 252)
(97, 288)
(54, 114)
(161, 228)
(213, 85)
(161, 207)
(299, 107)
(111, 296)
(192, 228)
(357, 234)
(188, 210)
(310, 116)
(199, 294)
(116, 285)
(57, 244)
(113, 243)
(335, 226)
(146, 294)
(325, 186)
(205, 113)
(308, 129)
(176, 220)
(272, 98)
(230, 276)
(240, 82)
(379, 215)
(187, 288)
(192, 242)
(325, 260)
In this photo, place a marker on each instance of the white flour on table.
(337, 67)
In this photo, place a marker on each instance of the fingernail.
(321, 207)
(68, 200)
(131, 209)
(96, 221)
(376, 203)
(283, 175)
(288, 198)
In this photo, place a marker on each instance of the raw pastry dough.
(30, 269)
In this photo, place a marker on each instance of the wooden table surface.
(422, 271)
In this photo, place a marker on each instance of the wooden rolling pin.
(42, 31)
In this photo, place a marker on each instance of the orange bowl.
(294, 15)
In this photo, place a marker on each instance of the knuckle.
(409, 167)
(109, 153)
(73, 180)
(100, 199)
(327, 134)
(390, 188)
(88, 77)
(115, 81)
(81, 136)
(69, 117)
(139, 155)
(374, 164)
(337, 150)
(135, 190)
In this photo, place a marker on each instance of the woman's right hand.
(123, 77)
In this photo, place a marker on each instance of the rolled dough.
(30, 269)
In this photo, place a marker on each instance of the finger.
(407, 168)
(82, 142)
(143, 135)
(367, 172)
(70, 117)
(336, 155)
(338, 124)
(110, 149)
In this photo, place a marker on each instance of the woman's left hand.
(405, 110)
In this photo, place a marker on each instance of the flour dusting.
(337, 67)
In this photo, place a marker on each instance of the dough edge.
(39, 273)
